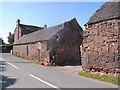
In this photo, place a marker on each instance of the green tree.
(10, 38)
(1, 41)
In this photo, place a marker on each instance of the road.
(18, 73)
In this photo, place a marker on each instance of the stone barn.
(57, 45)
(101, 45)
(22, 29)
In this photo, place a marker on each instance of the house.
(101, 49)
(57, 45)
(22, 29)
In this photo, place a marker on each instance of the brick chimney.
(44, 26)
(16, 32)
(17, 22)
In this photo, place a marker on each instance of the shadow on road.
(2, 63)
(2, 66)
(6, 81)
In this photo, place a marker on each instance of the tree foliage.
(10, 38)
(1, 41)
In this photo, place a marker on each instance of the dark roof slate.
(46, 33)
(30, 27)
(40, 35)
(109, 10)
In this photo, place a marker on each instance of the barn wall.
(62, 48)
(69, 55)
(66, 45)
(100, 48)
(37, 51)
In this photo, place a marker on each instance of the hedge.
(6, 48)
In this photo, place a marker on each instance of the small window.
(27, 50)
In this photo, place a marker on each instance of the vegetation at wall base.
(34, 61)
(106, 78)
(30, 61)
(3, 45)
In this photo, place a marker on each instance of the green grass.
(30, 61)
(6, 45)
(106, 78)
(34, 61)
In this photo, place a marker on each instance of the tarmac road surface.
(18, 73)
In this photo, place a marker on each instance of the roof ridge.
(107, 11)
(31, 25)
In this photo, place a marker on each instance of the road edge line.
(43, 81)
(12, 65)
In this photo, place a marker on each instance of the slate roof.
(30, 27)
(44, 34)
(41, 35)
(108, 11)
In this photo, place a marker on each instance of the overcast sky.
(39, 13)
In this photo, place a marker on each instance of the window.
(27, 50)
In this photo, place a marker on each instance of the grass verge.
(106, 78)
(34, 61)
(30, 61)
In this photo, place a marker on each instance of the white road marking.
(44, 81)
(12, 65)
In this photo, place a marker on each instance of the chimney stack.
(44, 26)
(17, 22)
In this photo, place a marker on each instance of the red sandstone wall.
(100, 48)
(65, 46)
(17, 34)
(68, 55)
(34, 53)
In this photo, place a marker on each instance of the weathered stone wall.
(36, 51)
(64, 53)
(100, 48)
(65, 46)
